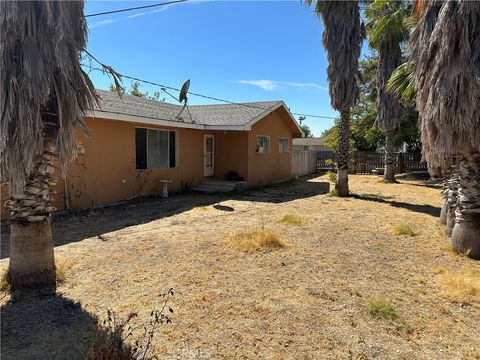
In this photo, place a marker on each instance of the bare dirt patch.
(309, 300)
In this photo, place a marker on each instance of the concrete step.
(216, 186)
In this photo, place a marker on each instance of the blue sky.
(236, 50)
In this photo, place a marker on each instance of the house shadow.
(71, 228)
(425, 209)
(47, 327)
(294, 190)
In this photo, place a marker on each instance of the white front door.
(208, 156)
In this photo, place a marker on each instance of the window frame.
(280, 145)
(176, 148)
(268, 142)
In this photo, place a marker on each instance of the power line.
(136, 8)
(165, 87)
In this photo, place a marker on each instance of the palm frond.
(342, 40)
(386, 30)
(40, 71)
(402, 82)
(445, 45)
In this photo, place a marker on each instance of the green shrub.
(332, 176)
(381, 308)
(333, 192)
(404, 229)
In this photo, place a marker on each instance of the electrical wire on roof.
(136, 8)
(165, 87)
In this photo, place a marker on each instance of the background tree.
(135, 91)
(386, 31)
(40, 109)
(306, 131)
(445, 48)
(342, 39)
(364, 133)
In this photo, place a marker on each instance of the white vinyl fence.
(304, 163)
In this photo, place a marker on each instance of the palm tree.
(386, 31)
(44, 95)
(342, 39)
(445, 46)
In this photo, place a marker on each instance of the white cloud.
(101, 23)
(271, 85)
(163, 8)
(137, 15)
(268, 85)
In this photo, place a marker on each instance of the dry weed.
(462, 286)
(291, 219)
(254, 240)
(381, 308)
(62, 270)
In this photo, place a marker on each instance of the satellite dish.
(184, 91)
(183, 98)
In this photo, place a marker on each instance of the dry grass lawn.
(345, 286)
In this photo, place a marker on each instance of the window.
(155, 149)
(263, 144)
(283, 145)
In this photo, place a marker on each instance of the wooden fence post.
(401, 161)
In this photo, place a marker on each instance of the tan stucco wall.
(106, 173)
(273, 167)
(230, 154)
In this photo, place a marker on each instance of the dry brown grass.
(291, 219)
(461, 286)
(5, 282)
(202, 208)
(305, 300)
(255, 240)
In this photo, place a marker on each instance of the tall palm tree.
(386, 31)
(44, 95)
(342, 39)
(445, 45)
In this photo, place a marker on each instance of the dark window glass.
(141, 148)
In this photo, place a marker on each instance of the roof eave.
(107, 115)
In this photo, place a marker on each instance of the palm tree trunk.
(466, 232)
(342, 156)
(452, 201)
(389, 174)
(445, 194)
(32, 261)
(444, 211)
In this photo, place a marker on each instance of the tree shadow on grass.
(425, 209)
(47, 327)
(97, 222)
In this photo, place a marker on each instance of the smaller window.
(263, 144)
(283, 145)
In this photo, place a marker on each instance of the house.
(311, 144)
(137, 142)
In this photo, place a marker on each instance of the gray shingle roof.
(220, 115)
(308, 141)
